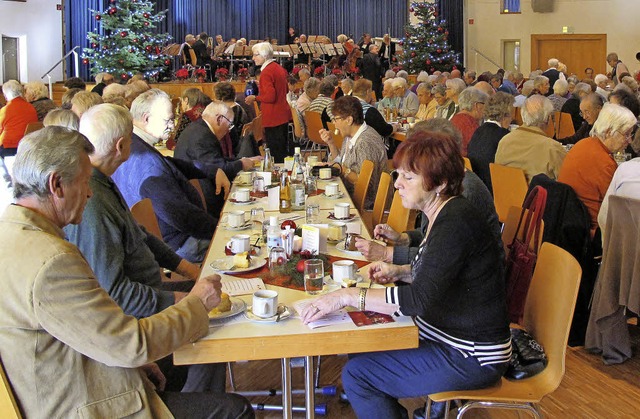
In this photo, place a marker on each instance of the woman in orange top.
(14, 117)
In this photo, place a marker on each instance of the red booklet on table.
(366, 318)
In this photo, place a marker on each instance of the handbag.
(336, 170)
(521, 260)
(527, 357)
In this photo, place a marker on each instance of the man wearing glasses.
(185, 224)
(276, 112)
(206, 143)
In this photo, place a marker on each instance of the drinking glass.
(257, 219)
(313, 276)
(312, 212)
(311, 185)
(277, 261)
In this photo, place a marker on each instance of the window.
(509, 6)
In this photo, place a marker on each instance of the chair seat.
(530, 390)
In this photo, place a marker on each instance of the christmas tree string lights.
(128, 43)
(425, 45)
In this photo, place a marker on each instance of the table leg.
(287, 411)
(309, 387)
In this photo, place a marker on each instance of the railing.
(48, 72)
(485, 57)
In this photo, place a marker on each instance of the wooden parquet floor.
(589, 390)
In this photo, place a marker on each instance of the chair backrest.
(335, 133)
(549, 308)
(313, 121)
(398, 214)
(142, 212)
(247, 128)
(362, 184)
(509, 188)
(509, 230)
(380, 203)
(551, 126)
(258, 129)
(517, 116)
(194, 58)
(564, 125)
(8, 406)
(196, 184)
(298, 129)
(32, 127)
(256, 108)
(467, 164)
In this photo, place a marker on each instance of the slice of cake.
(224, 306)
(241, 260)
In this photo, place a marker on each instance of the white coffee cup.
(342, 210)
(239, 243)
(312, 160)
(265, 303)
(236, 219)
(244, 178)
(325, 173)
(344, 269)
(242, 195)
(331, 189)
(337, 231)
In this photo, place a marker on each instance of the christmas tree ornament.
(112, 11)
(85, 61)
(145, 23)
(124, 33)
(98, 17)
(146, 15)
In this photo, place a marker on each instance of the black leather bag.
(527, 358)
(336, 170)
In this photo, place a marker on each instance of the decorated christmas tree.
(425, 46)
(127, 43)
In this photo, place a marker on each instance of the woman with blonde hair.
(36, 93)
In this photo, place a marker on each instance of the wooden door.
(576, 51)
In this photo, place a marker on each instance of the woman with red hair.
(454, 290)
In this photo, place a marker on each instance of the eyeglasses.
(231, 125)
(628, 136)
(338, 118)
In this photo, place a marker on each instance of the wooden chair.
(517, 116)
(371, 219)
(8, 406)
(551, 127)
(298, 125)
(142, 212)
(337, 138)
(398, 215)
(256, 108)
(547, 317)
(564, 125)
(258, 132)
(509, 188)
(467, 164)
(313, 122)
(362, 184)
(32, 127)
(196, 184)
(510, 226)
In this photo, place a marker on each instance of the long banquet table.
(238, 338)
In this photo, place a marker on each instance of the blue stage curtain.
(451, 11)
(349, 17)
(251, 19)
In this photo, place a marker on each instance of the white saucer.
(249, 315)
(243, 227)
(336, 196)
(359, 278)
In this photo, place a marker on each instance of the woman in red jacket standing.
(276, 112)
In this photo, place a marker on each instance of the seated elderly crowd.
(85, 289)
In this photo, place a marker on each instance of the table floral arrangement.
(319, 72)
(222, 74)
(337, 72)
(182, 74)
(200, 74)
(354, 73)
(243, 73)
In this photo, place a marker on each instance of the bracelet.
(361, 297)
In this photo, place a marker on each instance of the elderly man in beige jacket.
(67, 348)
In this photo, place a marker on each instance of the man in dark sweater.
(185, 225)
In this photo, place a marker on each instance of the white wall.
(39, 25)
(616, 18)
